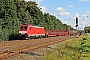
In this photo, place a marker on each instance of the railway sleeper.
(6, 55)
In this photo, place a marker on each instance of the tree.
(35, 12)
(87, 29)
(8, 18)
(15, 12)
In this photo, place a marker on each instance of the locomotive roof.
(32, 26)
(36, 26)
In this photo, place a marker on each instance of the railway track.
(8, 49)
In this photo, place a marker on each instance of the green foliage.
(51, 22)
(9, 22)
(78, 48)
(87, 29)
(16, 12)
(85, 48)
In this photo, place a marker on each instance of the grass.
(78, 48)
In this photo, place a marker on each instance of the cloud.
(71, 6)
(76, 15)
(84, 23)
(84, 18)
(60, 9)
(72, 17)
(84, 0)
(43, 9)
(85, 15)
(64, 13)
(88, 13)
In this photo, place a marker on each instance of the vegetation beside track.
(76, 49)
(16, 12)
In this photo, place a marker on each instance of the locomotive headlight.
(23, 32)
(19, 33)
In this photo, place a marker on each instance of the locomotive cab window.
(23, 28)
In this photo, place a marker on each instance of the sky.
(67, 11)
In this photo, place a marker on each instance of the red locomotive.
(29, 31)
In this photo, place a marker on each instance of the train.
(30, 32)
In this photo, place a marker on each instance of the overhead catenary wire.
(50, 9)
(52, 3)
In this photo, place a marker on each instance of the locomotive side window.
(29, 28)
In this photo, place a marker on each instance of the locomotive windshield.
(23, 28)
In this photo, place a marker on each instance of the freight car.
(53, 33)
(73, 32)
(29, 31)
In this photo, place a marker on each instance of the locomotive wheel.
(34, 37)
(30, 37)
